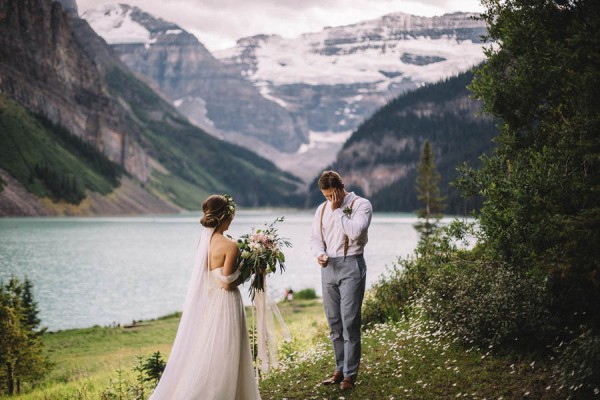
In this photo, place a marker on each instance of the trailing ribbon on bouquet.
(267, 347)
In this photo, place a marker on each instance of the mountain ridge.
(210, 95)
(316, 85)
(55, 66)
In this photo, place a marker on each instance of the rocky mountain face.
(43, 67)
(301, 98)
(337, 78)
(340, 76)
(213, 97)
(70, 90)
(380, 158)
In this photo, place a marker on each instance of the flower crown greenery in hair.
(230, 209)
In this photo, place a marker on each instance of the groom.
(338, 238)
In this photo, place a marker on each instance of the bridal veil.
(210, 358)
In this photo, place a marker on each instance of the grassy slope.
(401, 361)
(85, 360)
(25, 142)
(407, 361)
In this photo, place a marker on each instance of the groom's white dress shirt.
(337, 225)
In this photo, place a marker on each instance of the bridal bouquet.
(260, 253)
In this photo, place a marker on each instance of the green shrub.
(577, 370)
(391, 297)
(487, 303)
(23, 361)
(147, 373)
(154, 368)
(305, 294)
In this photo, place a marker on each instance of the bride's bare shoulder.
(224, 242)
(230, 244)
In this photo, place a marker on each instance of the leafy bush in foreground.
(390, 298)
(577, 369)
(488, 303)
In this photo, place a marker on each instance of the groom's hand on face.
(337, 198)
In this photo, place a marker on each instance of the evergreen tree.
(154, 368)
(30, 310)
(21, 346)
(428, 190)
(11, 339)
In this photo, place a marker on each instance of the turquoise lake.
(103, 270)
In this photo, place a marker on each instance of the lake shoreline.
(90, 271)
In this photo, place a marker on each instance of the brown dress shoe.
(334, 379)
(347, 383)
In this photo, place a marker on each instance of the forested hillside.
(380, 158)
(67, 97)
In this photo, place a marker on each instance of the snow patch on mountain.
(116, 26)
(200, 115)
(266, 93)
(292, 61)
(331, 140)
(389, 49)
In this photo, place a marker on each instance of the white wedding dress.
(210, 358)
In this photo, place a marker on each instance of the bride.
(210, 358)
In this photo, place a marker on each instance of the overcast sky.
(219, 23)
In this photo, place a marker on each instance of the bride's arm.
(230, 266)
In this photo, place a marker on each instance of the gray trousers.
(343, 291)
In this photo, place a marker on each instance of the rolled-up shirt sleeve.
(359, 223)
(317, 247)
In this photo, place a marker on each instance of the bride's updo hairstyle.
(217, 208)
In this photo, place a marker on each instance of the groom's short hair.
(330, 179)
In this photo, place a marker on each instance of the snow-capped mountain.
(340, 75)
(388, 50)
(335, 79)
(302, 97)
(214, 97)
(121, 24)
